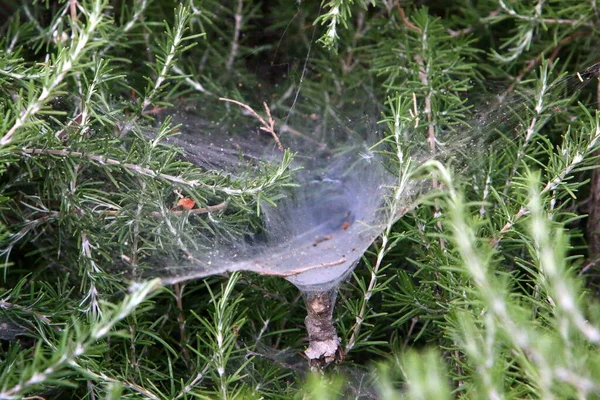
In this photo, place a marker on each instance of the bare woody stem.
(324, 343)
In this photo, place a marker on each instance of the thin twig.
(62, 67)
(100, 376)
(194, 84)
(5, 305)
(198, 379)
(103, 160)
(235, 43)
(431, 137)
(167, 60)
(268, 127)
(183, 340)
(407, 22)
(73, 9)
(536, 61)
(411, 328)
(200, 210)
(360, 317)
(531, 129)
(56, 214)
(558, 21)
(301, 270)
(550, 186)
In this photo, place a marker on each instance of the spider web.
(317, 233)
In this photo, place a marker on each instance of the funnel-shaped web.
(342, 198)
(315, 236)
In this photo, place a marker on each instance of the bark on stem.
(324, 343)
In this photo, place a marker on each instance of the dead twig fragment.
(299, 271)
(199, 210)
(406, 21)
(268, 127)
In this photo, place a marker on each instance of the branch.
(63, 66)
(299, 271)
(103, 160)
(236, 35)
(268, 127)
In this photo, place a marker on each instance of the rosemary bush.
(485, 290)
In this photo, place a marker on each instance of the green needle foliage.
(486, 289)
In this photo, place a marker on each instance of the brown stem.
(268, 127)
(323, 341)
(407, 22)
(183, 339)
(302, 270)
